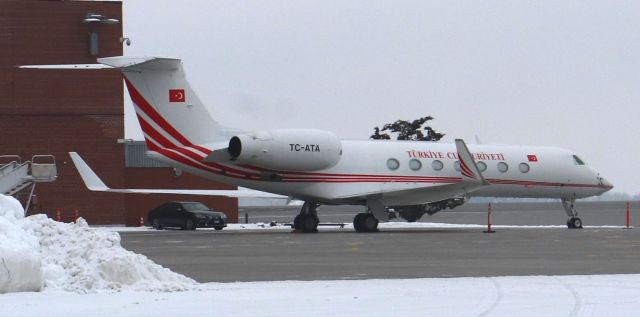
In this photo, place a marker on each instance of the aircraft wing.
(94, 183)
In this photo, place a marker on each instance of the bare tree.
(415, 130)
(405, 130)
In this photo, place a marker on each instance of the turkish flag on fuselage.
(176, 95)
(532, 158)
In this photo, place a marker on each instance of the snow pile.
(20, 262)
(74, 257)
(78, 258)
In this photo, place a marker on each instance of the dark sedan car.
(187, 215)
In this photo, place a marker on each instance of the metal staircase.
(16, 176)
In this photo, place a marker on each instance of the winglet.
(91, 180)
(468, 167)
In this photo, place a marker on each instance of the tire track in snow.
(577, 300)
(497, 300)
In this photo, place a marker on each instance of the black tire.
(370, 223)
(308, 223)
(357, 222)
(218, 227)
(156, 224)
(569, 224)
(365, 222)
(296, 223)
(189, 224)
(576, 223)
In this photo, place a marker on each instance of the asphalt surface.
(262, 255)
(545, 213)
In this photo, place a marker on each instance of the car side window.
(172, 209)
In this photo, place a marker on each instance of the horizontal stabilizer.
(138, 63)
(67, 66)
(94, 183)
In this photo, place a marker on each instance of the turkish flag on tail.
(532, 158)
(176, 95)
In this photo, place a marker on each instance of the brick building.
(55, 111)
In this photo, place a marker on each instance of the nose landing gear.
(573, 222)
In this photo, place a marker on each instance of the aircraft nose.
(604, 183)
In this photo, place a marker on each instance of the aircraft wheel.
(296, 223)
(308, 223)
(365, 222)
(574, 223)
(357, 222)
(370, 223)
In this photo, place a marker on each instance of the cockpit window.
(577, 160)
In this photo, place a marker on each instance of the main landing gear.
(307, 220)
(573, 222)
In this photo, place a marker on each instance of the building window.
(503, 167)
(437, 165)
(482, 166)
(415, 164)
(456, 165)
(524, 167)
(393, 164)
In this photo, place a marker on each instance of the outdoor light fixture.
(99, 18)
(125, 40)
(93, 19)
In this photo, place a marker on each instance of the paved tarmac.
(227, 256)
(537, 213)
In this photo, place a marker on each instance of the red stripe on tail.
(145, 107)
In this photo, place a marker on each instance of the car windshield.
(194, 206)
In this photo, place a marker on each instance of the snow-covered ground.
(602, 295)
(48, 268)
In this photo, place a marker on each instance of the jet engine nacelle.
(287, 149)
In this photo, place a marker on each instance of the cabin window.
(393, 164)
(456, 165)
(482, 166)
(503, 167)
(524, 167)
(415, 164)
(577, 160)
(437, 165)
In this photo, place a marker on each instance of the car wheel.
(189, 224)
(155, 224)
(218, 227)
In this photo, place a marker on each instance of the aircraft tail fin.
(169, 112)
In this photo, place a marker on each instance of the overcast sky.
(519, 72)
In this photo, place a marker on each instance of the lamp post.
(93, 19)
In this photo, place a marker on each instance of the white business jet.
(319, 168)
